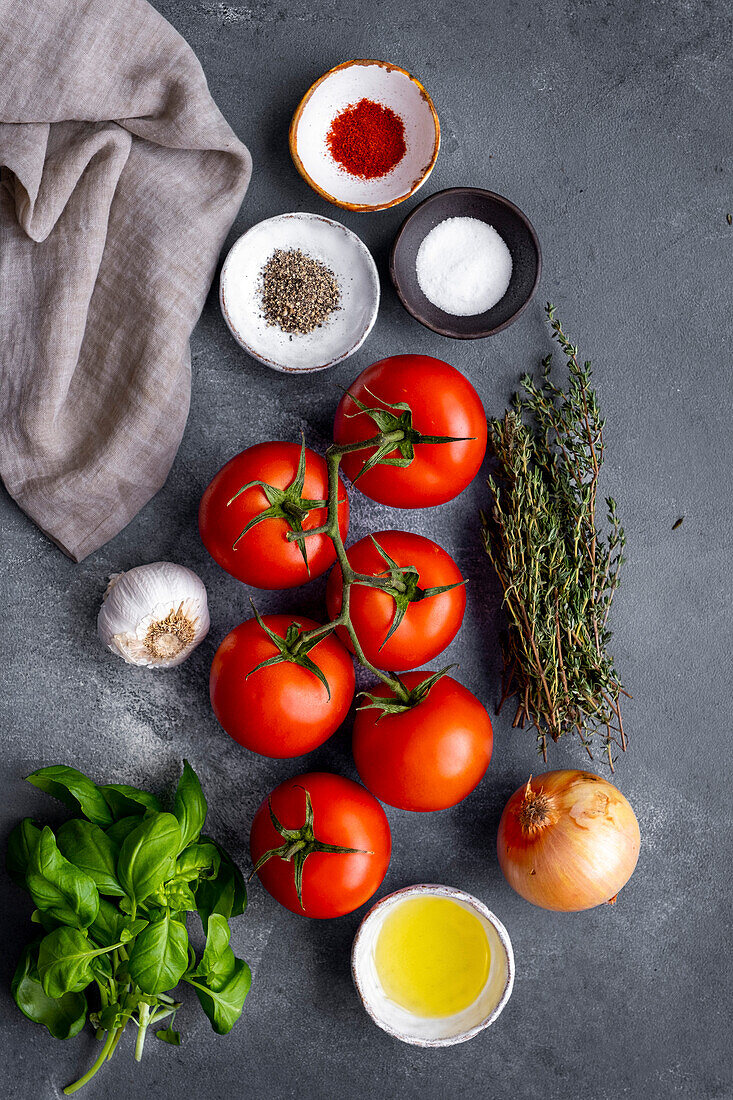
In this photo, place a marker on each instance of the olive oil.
(432, 956)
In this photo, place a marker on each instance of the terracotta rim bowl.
(345, 84)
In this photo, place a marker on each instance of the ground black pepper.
(298, 292)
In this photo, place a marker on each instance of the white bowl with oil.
(432, 1031)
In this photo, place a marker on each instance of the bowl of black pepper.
(299, 292)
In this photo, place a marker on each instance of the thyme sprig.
(557, 571)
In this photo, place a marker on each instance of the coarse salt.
(463, 266)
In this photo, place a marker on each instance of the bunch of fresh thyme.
(557, 572)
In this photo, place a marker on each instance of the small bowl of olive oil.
(432, 965)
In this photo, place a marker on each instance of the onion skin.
(568, 840)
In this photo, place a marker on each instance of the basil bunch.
(112, 890)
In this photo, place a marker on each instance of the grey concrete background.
(608, 124)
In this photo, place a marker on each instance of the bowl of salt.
(466, 262)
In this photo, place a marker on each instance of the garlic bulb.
(154, 615)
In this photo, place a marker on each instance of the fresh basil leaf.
(47, 922)
(66, 961)
(222, 970)
(132, 929)
(112, 1016)
(158, 899)
(120, 830)
(108, 924)
(189, 806)
(60, 889)
(75, 790)
(168, 1035)
(21, 842)
(89, 848)
(217, 941)
(197, 860)
(218, 961)
(124, 800)
(159, 956)
(148, 855)
(63, 1016)
(225, 893)
(179, 895)
(224, 1006)
(102, 965)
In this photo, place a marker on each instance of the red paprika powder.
(367, 139)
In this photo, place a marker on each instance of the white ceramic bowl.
(347, 84)
(431, 1031)
(343, 332)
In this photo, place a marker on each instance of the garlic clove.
(154, 615)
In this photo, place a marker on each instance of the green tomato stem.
(109, 1043)
(349, 577)
(301, 536)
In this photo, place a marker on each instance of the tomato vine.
(383, 444)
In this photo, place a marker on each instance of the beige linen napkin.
(119, 180)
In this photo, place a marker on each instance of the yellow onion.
(568, 840)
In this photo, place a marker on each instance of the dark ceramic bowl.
(507, 219)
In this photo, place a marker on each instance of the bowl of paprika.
(365, 136)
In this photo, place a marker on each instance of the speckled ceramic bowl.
(338, 248)
(431, 1031)
(347, 84)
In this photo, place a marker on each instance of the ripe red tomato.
(264, 557)
(344, 815)
(443, 403)
(429, 624)
(428, 757)
(282, 710)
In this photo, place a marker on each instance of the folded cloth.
(119, 180)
